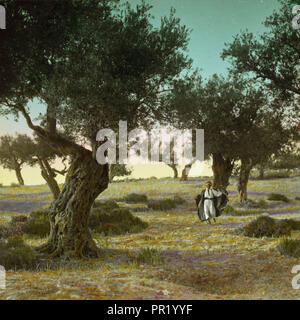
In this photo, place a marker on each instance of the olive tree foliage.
(121, 72)
(226, 108)
(265, 138)
(118, 170)
(273, 57)
(91, 63)
(187, 166)
(15, 152)
(288, 158)
(44, 156)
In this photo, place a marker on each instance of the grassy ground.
(199, 261)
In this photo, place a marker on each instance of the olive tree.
(15, 152)
(91, 64)
(224, 108)
(272, 57)
(118, 170)
(263, 138)
(44, 157)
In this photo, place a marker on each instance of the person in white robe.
(209, 206)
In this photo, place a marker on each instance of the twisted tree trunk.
(19, 175)
(261, 172)
(222, 169)
(69, 213)
(185, 172)
(245, 170)
(175, 171)
(49, 176)
(110, 173)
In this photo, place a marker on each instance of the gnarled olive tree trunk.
(69, 213)
(261, 172)
(49, 176)
(186, 170)
(175, 171)
(222, 169)
(110, 173)
(246, 166)
(19, 175)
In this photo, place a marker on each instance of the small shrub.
(14, 253)
(149, 256)
(161, 205)
(262, 204)
(264, 226)
(11, 229)
(282, 228)
(20, 218)
(250, 212)
(5, 231)
(116, 222)
(136, 207)
(178, 200)
(106, 205)
(271, 175)
(276, 175)
(38, 223)
(15, 185)
(278, 197)
(135, 198)
(289, 247)
(229, 210)
(294, 224)
(96, 217)
(249, 204)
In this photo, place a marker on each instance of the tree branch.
(57, 142)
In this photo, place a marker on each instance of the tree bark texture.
(49, 176)
(69, 213)
(175, 171)
(222, 169)
(243, 180)
(19, 175)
